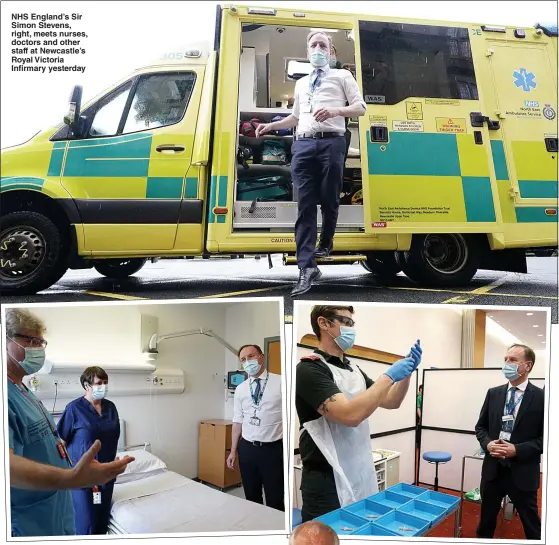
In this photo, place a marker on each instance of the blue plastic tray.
(374, 530)
(343, 522)
(407, 490)
(397, 522)
(389, 499)
(433, 514)
(368, 510)
(450, 503)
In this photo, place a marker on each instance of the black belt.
(315, 135)
(263, 443)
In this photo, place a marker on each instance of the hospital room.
(166, 384)
(420, 421)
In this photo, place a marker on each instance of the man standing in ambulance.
(318, 153)
(334, 400)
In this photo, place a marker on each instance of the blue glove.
(415, 354)
(401, 370)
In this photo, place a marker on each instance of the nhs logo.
(531, 103)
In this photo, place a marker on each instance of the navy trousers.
(92, 519)
(317, 168)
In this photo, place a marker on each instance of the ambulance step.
(331, 260)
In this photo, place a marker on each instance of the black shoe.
(322, 251)
(306, 278)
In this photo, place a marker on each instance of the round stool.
(297, 518)
(436, 457)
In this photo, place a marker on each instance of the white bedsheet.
(171, 503)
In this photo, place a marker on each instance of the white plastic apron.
(347, 449)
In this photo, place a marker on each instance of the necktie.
(256, 391)
(315, 79)
(509, 410)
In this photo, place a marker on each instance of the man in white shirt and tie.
(258, 431)
(318, 153)
(510, 431)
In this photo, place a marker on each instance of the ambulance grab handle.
(169, 148)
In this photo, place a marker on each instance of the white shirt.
(521, 388)
(269, 411)
(336, 88)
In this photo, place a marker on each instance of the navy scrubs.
(80, 426)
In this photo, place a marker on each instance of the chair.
(297, 518)
(437, 457)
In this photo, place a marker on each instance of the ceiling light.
(535, 326)
(540, 335)
(543, 342)
(529, 314)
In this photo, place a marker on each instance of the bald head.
(314, 533)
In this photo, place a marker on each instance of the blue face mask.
(251, 367)
(99, 391)
(510, 370)
(346, 338)
(34, 360)
(319, 58)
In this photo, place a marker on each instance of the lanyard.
(256, 404)
(37, 405)
(514, 406)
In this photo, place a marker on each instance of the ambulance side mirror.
(72, 118)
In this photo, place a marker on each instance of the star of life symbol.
(524, 79)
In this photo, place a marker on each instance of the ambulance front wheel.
(33, 253)
(119, 268)
(382, 264)
(441, 259)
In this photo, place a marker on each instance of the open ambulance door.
(426, 168)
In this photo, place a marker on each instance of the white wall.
(101, 334)
(396, 328)
(249, 323)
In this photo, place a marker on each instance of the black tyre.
(442, 259)
(119, 268)
(33, 253)
(382, 264)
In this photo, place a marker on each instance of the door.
(272, 348)
(132, 171)
(526, 103)
(424, 168)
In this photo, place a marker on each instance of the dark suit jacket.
(527, 435)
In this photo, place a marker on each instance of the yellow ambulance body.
(455, 159)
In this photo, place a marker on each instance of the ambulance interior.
(272, 60)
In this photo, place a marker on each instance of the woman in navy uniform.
(85, 420)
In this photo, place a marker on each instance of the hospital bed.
(150, 499)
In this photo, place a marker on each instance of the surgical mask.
(319, 58)
(99, 391)
(346, 339)
(510, 370)
(251, 367)
(34, 359)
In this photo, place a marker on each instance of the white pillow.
(144, 462)
(131, 477)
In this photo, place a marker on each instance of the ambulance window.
(108, 112)
(400, 61)
(159, 100)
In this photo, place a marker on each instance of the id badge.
(508, 418)
(306, 108)
(96, 497)
(504, 436)
(255, 421)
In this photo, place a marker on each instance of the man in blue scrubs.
(85, 420)
(41, 473)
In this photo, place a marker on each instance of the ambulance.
(452, 169)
